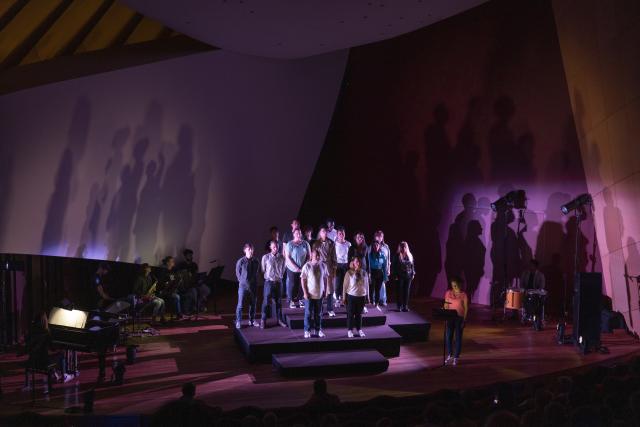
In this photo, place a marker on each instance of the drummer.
(532, 278)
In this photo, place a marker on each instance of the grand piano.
(86, 332)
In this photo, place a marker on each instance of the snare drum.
(514, 299)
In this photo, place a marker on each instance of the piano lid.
(69, 318)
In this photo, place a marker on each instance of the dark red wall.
(475, 104)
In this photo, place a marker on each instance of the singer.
(455, 299)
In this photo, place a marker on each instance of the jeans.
(203, 292)
(252, 295)
(354, 311)
(341, 270)
(330, 299)
(293, 286)
(313, 314)
(383, 293)
(188, 299)
(404, 288)
(454, 327)
(155, 302)
(175, 299)
(272, 293)
(375, 286)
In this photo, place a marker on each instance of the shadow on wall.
(464, 250)
(53, 232)
(124, 204)
(95, 222)
(178, 194)
(511, 157)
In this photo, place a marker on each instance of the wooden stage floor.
(205, 353)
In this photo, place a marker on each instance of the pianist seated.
(38, 348)
(144, 293)
(103, 298)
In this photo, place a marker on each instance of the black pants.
(271, 293)
(341, 270)
(377, 278)
(404, 288)
(293, 286)
(355, 305)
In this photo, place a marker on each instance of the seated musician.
(532, 278)
(38, 347)
(168, 283)
(195, 292)
(103, 298)
(145, 289)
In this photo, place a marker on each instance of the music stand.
(445, 315)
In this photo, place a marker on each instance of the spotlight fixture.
(513, 199)
(581, 200)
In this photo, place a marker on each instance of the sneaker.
(350, 333)
(254, 323)
(292, 304)
(378, 307)
(237, 325)
(361, 333)
(384, 304)
(262, 324)
(321, 334)
(301, 304)
(282, 324)
(365, 310)
(455, 361)
(332, 313)
(68, 377)
(307, 334)
(448, 360)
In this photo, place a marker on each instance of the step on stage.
(292, 354)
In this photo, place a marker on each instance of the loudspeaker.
(587, 302)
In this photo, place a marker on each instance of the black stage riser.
(330, 363)
(296, 321)
(387, 342)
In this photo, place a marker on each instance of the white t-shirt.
(315, 275)
(342, 252)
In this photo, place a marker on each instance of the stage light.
(513, 199)
(583, 199)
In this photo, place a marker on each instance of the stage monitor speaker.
(587, 302)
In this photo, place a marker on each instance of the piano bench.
(47, 370)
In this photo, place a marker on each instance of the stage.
(206, 353)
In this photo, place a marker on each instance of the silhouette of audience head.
(320, 386)
(188, 390)
(188, 255)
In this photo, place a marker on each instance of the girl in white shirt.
(354, 292)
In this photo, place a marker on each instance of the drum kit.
(529, 302)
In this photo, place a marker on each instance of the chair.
(33, 369)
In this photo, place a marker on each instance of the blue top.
(377, 261)
(298, 253)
